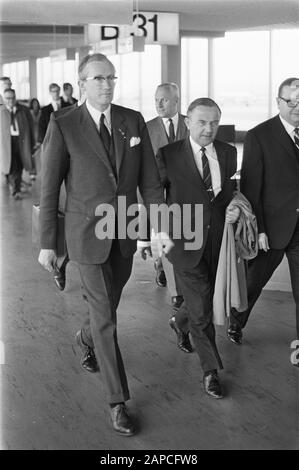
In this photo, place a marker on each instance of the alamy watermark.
(181, 222)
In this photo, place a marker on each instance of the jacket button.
(111, 175)
(297, 210)
(208, 226)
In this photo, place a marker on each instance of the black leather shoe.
(88, 361)
(183, 340)
(121, 421)
(176, 302)
(212, 385)
(59, 279)
(160, 274)
(234, 333)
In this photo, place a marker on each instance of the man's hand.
(232, 214)
(48, 260)
(166, 243)
(263, 242)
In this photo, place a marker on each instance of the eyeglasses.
(290, 103)
(100, 79)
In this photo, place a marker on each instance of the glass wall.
(246, 67)
(58, 71)
(139, 75)
(194, 70)
(19, 75)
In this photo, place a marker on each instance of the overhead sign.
(156, 28)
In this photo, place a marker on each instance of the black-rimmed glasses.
(290, 103)
(100, 79)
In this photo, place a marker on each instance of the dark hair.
(202, 102)
(286, 82)
(91, 58)
(34, 100)
(52, 85)
(66, 85)
(5, 79)
(9, 89)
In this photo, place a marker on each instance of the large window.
(58, 71)
(139, 75)
(19, 75)
(241, 77)
(243, 70)
(194, 70)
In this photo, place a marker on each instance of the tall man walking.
(102, 151)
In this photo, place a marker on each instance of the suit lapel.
(221, 160)
(279, 133)
(119, 129)
(92, 137)
(181, 130)
(162, 132)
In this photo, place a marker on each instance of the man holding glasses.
(102, 151)
(270, 180)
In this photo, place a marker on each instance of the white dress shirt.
(175, 120)
(213, 163)
(289, 128)
(96, 115)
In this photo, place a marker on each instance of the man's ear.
(187, 122)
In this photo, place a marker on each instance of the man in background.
(5, 84)
(169, 126)
(17, 141)
(56, 103)
(68, 94)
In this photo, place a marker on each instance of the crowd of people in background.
(23, 129)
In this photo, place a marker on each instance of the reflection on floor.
(49, 402)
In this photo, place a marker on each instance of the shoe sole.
(233, 341)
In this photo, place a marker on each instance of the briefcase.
(61, 244)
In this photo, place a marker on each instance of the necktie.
(12, 120)
(104, 134)
(171, 136)
(296, 136)
(206, 174)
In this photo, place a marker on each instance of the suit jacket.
(73, 151)
(26, 138)
(158, 135)
(184, 185)
(45, 118)
(270, 180)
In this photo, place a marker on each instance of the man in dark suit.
(196, 173)
(56, 104)
(169, 126)
(270, 181)
(16, 141)
(102, 151)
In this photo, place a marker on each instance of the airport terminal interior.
(236, 52)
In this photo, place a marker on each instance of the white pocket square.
(134, 141)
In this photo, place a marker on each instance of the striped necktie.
(296, 136)
(206, 173)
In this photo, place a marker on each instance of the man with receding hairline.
(102, 151)
(197, 171)
(270, 181)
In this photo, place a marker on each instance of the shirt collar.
(196, 147)
(96, 114)
(288, 127)
(174, 119)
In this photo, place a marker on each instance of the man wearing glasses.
(102, 151)
(270, 180)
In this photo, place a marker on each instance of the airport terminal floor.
(49, 402)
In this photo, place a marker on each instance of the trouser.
(260, 270)
(196, 313)
(103, 284)
(16, 166)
